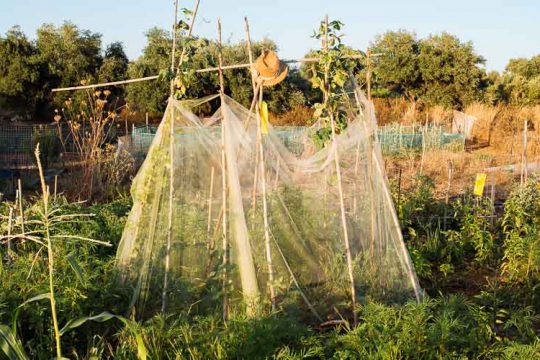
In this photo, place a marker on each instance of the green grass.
(482, 280)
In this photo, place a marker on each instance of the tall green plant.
(330, 75)
(46, 231)
(521, 227)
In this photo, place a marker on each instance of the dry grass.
(299, 116)
(396, 110)
(465, 167)
(440, 115)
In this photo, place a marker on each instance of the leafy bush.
(497, 317)
(521, 224)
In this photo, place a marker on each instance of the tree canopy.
(19, 70)
(439, 69)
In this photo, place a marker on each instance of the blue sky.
(499, 29)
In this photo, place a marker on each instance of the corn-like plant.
(45, 233)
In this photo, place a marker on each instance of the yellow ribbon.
(263, 110)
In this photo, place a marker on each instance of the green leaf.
(72, 324)
(72, 260)
(33, 299)
(186, 11)
(10, 345)
(142, 352)
(36, 298)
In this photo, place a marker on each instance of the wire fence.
(141, 138)
(56, 143)
(396, 138)
(18, 141)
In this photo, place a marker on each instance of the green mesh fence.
(291, 137)
(396, 138)
(141, 139)
(18, 142)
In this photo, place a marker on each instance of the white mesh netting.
(281, 236)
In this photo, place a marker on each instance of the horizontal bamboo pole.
(93, 86)
(199, 71)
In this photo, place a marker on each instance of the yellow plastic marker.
(479, 184)
(264, 117)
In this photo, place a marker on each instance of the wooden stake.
(423, 151)
(493, 190)
(524, 166)
(399, 189)
(448, 186)
(10, 219)
(55, 186)
(20, 203)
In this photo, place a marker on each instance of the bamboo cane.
(225, 245)
(199, 71)
(276, 180)
(260, 162)
(407, 265)
(210, 195)
(373, 221)
(255, 95)
(171, 170)
(265, 213)
(171, 147)
(388, 197)
(368, 73)
(357, 156)
(240, 240)
(338, 173)
(356, 162)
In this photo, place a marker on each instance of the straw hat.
(269, 69)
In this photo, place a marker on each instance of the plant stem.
(50, 255)
(348, 254)
(51, 290)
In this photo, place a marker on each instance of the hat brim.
(284, 71)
